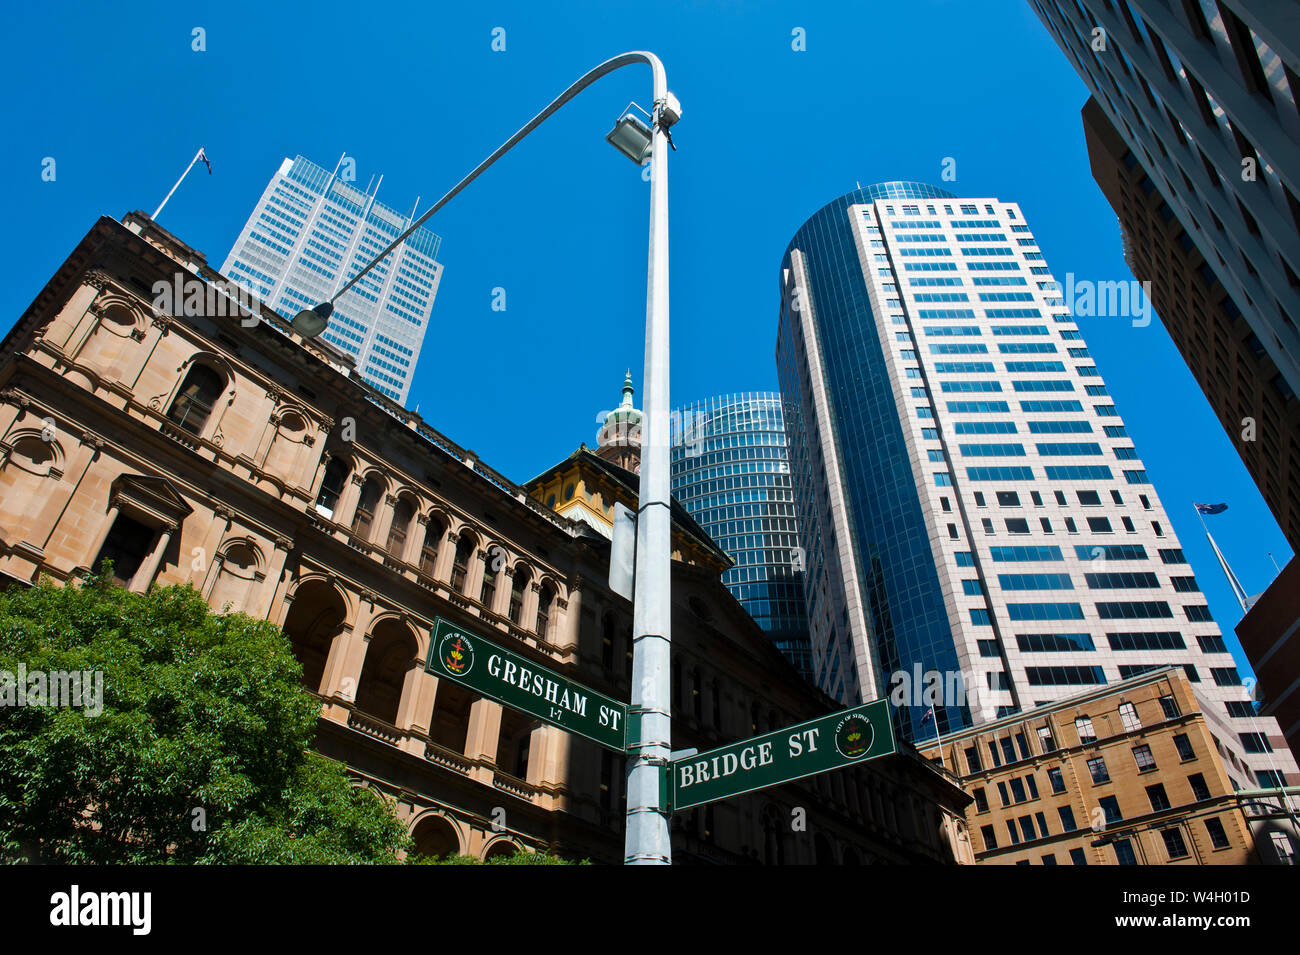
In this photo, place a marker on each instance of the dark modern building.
(1225, 354)
(731, 473)
(1203, 95)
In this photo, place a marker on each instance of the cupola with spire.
(619, 439)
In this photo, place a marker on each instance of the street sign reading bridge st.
(516, 681)
(817, 746)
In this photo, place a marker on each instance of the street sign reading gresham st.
(518, 682)
(828, 742)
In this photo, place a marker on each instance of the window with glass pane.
(1145, 761)
(1200, 791)
(1097, 767)
(1174, 843)
(1084, 725)
(1159, 800)
(1128, 713)
(1056, 779)
(193, 403)
(1124, 854)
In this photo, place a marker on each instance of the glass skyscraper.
(730, 472)
(309, 234)
(968, 498)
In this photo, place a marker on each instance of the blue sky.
(119, 99)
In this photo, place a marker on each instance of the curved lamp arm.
(311, 322)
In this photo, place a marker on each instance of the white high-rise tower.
(968, 497)
(312, 231)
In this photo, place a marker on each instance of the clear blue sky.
(115, 94)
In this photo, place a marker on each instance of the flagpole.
(1238, 590)
(938, 737)
(178, 184)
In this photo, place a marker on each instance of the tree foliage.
(201, 751)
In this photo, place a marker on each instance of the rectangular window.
(1097, 767)
(1145, 761)
(1128, 713)
(1110, 806)
(1219, 838)
(1156, 795)
(1056, 780)
(1200, 791)
(1174, 843)
(990, 839)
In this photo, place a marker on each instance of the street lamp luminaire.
(646, 840)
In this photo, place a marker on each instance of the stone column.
(385, 511)
(260, 602)
(221, 520)
(346, 508)
(483, 736)
(149, 569)
(347, 655)
(105, 529)
(567, 628)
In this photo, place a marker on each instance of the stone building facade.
(213, 447)
(1141, 772)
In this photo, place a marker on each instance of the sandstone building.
(1141, 772)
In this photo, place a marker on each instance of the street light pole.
(649, 731)
(646, 841)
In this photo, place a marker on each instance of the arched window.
(193, 403)
(488, 593)
(429, 549)
(331, 489)
(544, 610)
(460, 566)
(517, 585)
(403, 514)
(365, 515)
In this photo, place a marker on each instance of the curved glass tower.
(730, 472)
(970, 502)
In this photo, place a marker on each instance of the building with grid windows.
(1139, 773)
(308, 235)
(1203, 93)
(731, 473)
(970, 504)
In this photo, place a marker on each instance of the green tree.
(201, 751)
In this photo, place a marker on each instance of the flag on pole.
(203, 156)
(926, 718)
(1211, 508)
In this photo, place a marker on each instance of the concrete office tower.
(731, 473)
(312, 231)
(1250, 397)
(967, 495)
(1203, 93)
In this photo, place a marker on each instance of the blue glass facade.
(902, 597)
(730, 471)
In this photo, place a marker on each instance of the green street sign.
(520, 683)
(830, 742)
